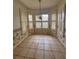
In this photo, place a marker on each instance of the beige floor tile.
(21, 51)
(17, 50)
(23, 45)
(48, 55)
(59, 55)
(30, 53)
(34, 46)
(28, 58)
(40, 41)
(31, 41)
(55, 47)
(18, 57)
(47, 41)
(39, 54)
(58, 48)
(41, 46)
(47, 47)
(28, 45)
(26, 40)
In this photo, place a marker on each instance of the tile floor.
(39, 47)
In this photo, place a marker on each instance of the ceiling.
(34, 4)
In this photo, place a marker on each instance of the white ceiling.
(34, 4)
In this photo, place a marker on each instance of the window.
(45, 25)
(45, 17)
(30, 17)
(30, 22)
(42, 23)
(38, 24)
(53, 17)
(30, 25)
(45, 21)
(37, 18)
(53, 25)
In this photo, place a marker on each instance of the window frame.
(42, 21)
(54, 28)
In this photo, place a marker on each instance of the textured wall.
(20, 30)
(60, 29)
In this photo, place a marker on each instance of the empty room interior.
(39, 29)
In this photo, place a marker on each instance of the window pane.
(30, 17)
(53, 26)
(30, 25)
(45, 24)
(53, 17)
(45, 17)
(37, 18)
(38, 24)
(62, 15)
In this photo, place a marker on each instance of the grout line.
(36, 51)
(44, 49)
(53, 55)
(52, 51)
